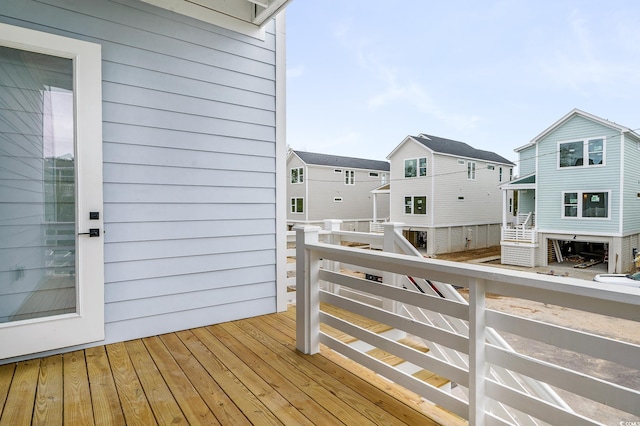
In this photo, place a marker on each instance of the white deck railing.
(520, 235)
(471, 356)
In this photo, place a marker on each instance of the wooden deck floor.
(241, 372)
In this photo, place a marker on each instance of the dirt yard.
(467, 255)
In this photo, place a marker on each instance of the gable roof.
(338, 161)
(576, 112)
(457, 149)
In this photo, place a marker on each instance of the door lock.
(93, 232)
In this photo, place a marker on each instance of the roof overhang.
(525, 182)
(243, 16)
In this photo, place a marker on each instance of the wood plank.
(345, 383)
(6, 376)
(359, 320)
(399, 394)
(163, 405)
(104, 396)
(254, 409)
(18, 407)
(220, 404)
(77, 407)
(193, 407)
(300, 390)
(50, 394)
(345, 403)
(135, 406)
(269, 396)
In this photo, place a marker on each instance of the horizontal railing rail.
(519, 235)
(472, 343)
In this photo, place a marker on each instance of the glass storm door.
(51, 269)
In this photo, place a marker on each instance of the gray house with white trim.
(323, 186)
(142, 167)
(447, 193)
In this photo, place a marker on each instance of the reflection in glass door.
(37, 186)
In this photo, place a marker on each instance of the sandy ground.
(605, 326)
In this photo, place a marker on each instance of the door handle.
(93, 232)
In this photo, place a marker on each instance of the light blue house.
(142, 167)
(578, 194)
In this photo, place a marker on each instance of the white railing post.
(332, 225)
(389, 246)
(307, 297)
(478, 368)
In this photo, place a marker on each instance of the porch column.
(375, 207)
(504, 208)
(307, 291)
(477, 356)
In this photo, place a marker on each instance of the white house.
(578, 194)
(447, 193)
(140, 154)
(322, 186)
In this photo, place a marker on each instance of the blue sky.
(362, 75)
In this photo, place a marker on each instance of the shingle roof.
(346, 162)
(460, 149)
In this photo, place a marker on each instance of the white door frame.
(87, 324)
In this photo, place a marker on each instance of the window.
(588, 152)
(297, 205)
(349, 177)
(415, 205)
(585, 204)
(471, 170)
(491, 167)
(461, 162)
(499, 174)
(373, 174)
(460, 198)
(383, 179)
(510, 174)
(571, 204)
(337, 170)
(297, 175)
(414, 167)
(337, 199)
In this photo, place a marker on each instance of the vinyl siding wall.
(631, 194)
(189, 162)
(482, 199)
(418, 186)
(357, 201)
(527, 159)
(551, 181)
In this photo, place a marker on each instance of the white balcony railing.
(500, 386)
(519, 235)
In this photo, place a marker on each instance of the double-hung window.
(471, 170)
(297, 175)
(415, 167)
(585, 204)
(583, 153)
(349, 177)
(297, 205)
(415, 205)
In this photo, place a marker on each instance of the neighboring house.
(322, 186)
(447, 193)
(142, 167)
(578, 194)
